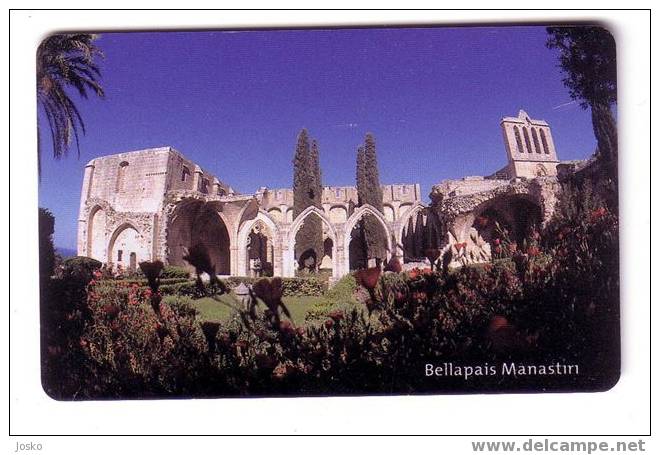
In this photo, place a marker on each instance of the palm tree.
(63, 61)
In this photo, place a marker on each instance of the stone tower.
(529, 146)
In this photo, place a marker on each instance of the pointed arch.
(358, 214)
(244, 234)
(412, 211)
(289, 257)
(544, 141)
(96, 245)
(519, 143)
(528, 143)
(127, 239)
(535, 138)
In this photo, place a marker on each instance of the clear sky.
(234, 102)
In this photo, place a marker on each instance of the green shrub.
(80, 268)
(174, 272)
(291, 287)
(339, 295)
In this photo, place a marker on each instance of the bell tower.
(529, 146)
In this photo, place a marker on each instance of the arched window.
(121, 175)
(204, 186)
(185, 174)
(527, 142)
(519, 144)
(545, 143)
(535, 137)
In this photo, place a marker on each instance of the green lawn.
(220, 308)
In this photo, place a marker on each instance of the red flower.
(110, 309)
(497, 323)
(286, 327)
(419, 296)
(533, 251)
(336, 315)
(368, 277)
(498, 250)
(496, 241)
(329, 323)
(598, 213)
(394, 265)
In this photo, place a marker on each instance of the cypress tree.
(370, 192)
(307, 191)
(301, 173)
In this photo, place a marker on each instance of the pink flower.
(533, 251)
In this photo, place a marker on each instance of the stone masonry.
(156, 204)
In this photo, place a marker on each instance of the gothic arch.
(132, 241)
(244, 234)
(413, 210)
(96, 246)
(360, 212)
(192, 222)
(289, 258)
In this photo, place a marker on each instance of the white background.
(622, 410)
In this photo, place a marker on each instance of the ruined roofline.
(166, 149)
(347, 187)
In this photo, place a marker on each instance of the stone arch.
(403, 208)
(195, 222)
(528, 143)
(288, 261)
(244, 232)
(357, 215)
(544, 141)
(516, 213)
(419, 224)
(519, 143)
(535, 138)
(127, 246)
(96, 234)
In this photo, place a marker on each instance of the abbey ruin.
(155, 204)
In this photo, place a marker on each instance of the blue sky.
(234, 103)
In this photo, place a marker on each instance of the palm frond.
(66, 61)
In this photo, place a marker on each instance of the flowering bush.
(550, 297)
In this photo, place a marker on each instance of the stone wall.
(155, 204)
